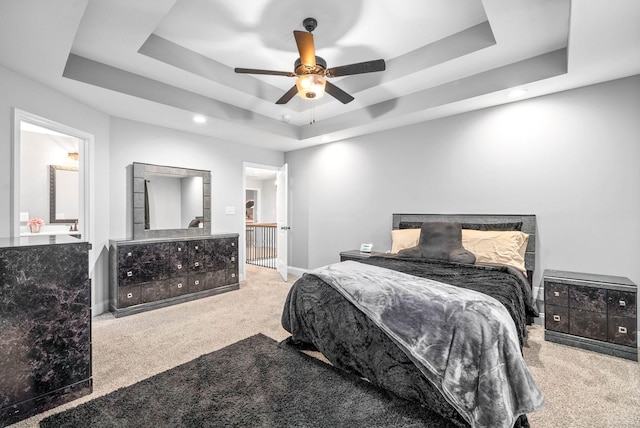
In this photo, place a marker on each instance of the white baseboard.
(296, 271)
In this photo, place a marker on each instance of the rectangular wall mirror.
(63, 194)
(170, 201)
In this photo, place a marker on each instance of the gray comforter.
(464, 342)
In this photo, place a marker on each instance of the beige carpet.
(582, 389)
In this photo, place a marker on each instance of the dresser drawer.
(197, 282)
(129, 295)
(127, 256)
(556, 318)
(155, 290)
(179, 267)
(622, 330)
(232, 276)
(215, 279)
(179, 253)
(588, 298)
(178, 286)
(556, 294)
(588, 324)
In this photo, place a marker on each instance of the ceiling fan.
(311, 70)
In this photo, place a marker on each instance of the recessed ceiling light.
(199, 119)
(517, 93)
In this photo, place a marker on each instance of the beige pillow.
(502, 247)
(404, 238)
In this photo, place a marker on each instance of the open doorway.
(49, 178)
(263, 212)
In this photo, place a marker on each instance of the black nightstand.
(357, 255)
(594, 312)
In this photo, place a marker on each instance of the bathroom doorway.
(50, 178)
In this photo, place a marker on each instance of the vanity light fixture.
(199, 119)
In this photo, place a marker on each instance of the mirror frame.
(52, 193)
(139, 171)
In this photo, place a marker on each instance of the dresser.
(152, 273)
(45, 324)
(594, 312)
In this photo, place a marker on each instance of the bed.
(444, 332)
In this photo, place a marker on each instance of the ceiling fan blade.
(358, 68)
(267, 72)
(287, 97)
(307, 51)
(337, 93)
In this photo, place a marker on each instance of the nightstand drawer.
(622, 330)
(556, 294)
(556, 318)
(622, 304)
(588, 298)
(588, 324)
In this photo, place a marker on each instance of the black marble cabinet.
(147, 274)
(594, 312)
(45, 324)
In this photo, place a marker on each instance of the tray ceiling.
(163, 61)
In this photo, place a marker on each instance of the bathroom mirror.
(170, 201)
(63, 194)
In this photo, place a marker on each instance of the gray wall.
(570, 158)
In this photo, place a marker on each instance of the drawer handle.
(197, 282)
(556, 293)
(129, 254)
(129, 295)
(233, 259)
(233, 275)
(196, 247)
(179, 266)
(623, 303)
(556, 317)
(179, 285)
(129, 274)
(233, 244)
(179, 249)
(197, 263)
(622, 330)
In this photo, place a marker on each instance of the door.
(281, 221)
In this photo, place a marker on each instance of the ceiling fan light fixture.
(311, 86)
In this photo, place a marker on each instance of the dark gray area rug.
(251, 383)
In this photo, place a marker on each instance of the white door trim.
(85, 170)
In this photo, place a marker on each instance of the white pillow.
(501, 247)
(404, 238)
